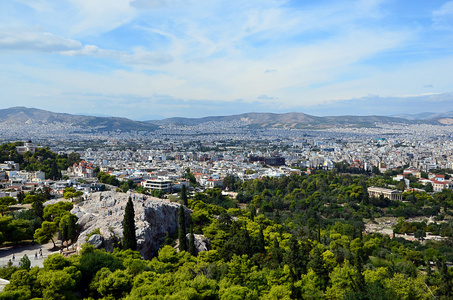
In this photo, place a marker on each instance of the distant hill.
(30, 116)
(287, 120)
(23, 115)
(425, 116)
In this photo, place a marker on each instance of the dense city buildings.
(161, 159)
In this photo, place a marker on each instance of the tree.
(19, 230)
(318, 266)
(38, 207)
(52, 212)
(429, 188)
(401, 185)
(192, 249)
(68, 227)
(296, 259)
(420, 234)
(129, 238)
(230, 182)
(184, 195)
(182, 229)
(20, 197)
(25, 262)
(7, 201)
(72, 227)
(46, 232)
(191, 177)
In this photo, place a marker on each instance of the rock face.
(201, 242)
(96, 240)
(105, 210)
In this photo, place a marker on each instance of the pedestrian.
(36, 255)
(40, 252)
(14, 257)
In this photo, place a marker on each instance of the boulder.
(96, 240)
(201, 242)
(154, 217)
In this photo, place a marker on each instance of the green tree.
(7, 201)
(19, 230)
(401, 185)
(25, 262)
(67, 227)
(296, 258)
(129, 238)
(38, 207)
(420, 234)
(46, 232)
(183, 195)
(182, 229)
(318, 266)
(192, 248)
(53, 212)
(429, 188)
(20, 197)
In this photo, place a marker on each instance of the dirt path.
(7, 253)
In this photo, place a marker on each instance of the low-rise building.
(158, 184)
(388, 193)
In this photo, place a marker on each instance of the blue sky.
(146, 59)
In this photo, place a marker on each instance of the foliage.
(182, 229)
(129, 239)
(300, 237)
(42, 160)
(25, 262)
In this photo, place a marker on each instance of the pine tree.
(129, 239)
(317, 264)
(182, 229)
(192, 249)
(260, 243)
(184, 195)
(296, 258)
(276, 255)
(72, 227)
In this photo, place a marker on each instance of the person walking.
(36, 255)
(14, 257)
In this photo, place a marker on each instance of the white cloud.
(35, 41)
(140, 57)
(99, 16)
(147, 58)
(443, 17)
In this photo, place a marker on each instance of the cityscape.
(226, 150)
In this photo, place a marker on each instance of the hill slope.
(287, 120)
(24, 115)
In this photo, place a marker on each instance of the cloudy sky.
(147, 59)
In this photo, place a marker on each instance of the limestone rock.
(96, 240)
(105, 210)
(201, 242)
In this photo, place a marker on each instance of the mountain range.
(24, 115)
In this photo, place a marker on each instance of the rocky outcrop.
(96, 240)
(201, 242)
(154, 218)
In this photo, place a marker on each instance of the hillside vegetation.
(297, 237)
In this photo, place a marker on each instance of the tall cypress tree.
(129, 239)
(182, 229)
(192, 249)
(184, 195)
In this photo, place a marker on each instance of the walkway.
(6, 254)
